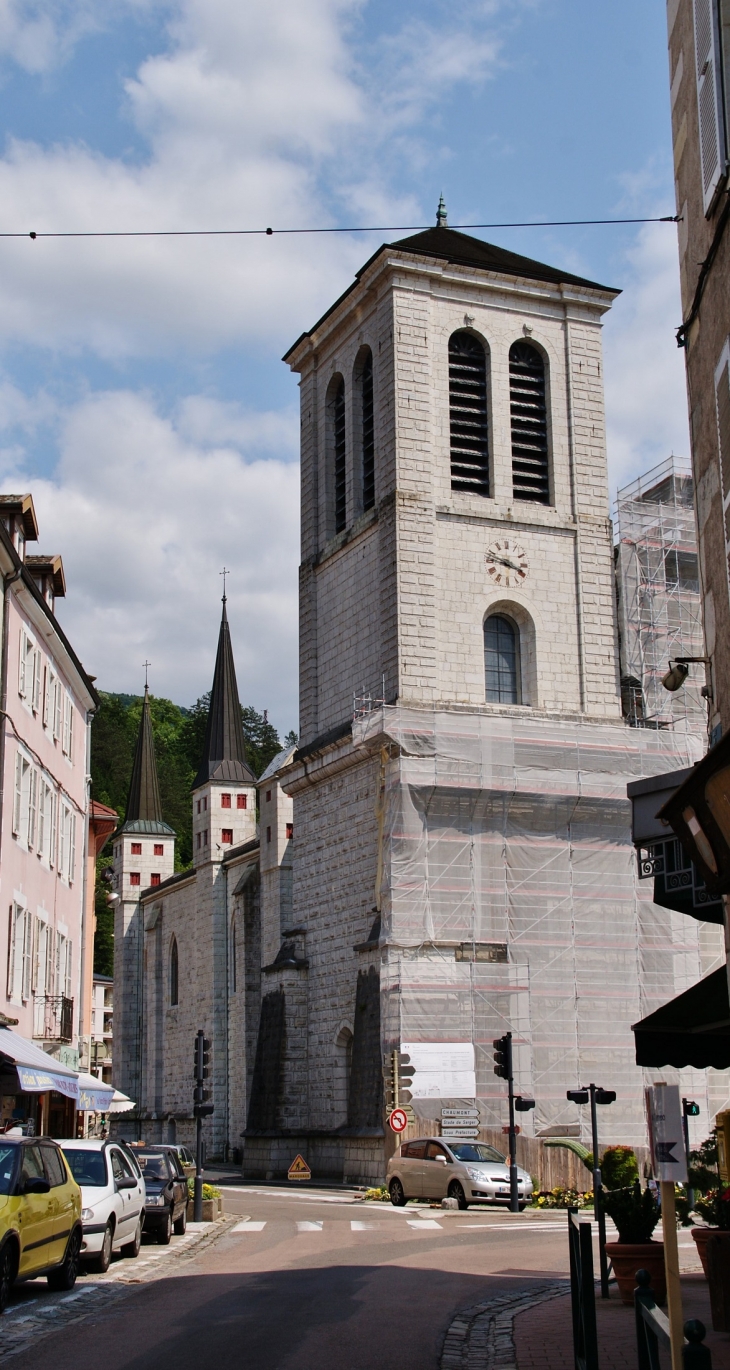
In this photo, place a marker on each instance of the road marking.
(363, 1227)
(309, 1227)
(420, 1224)
(248, 1227)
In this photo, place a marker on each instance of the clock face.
(507, 565)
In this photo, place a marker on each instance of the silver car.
(469, 1172)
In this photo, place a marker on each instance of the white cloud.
(646, 399)
(145, 517)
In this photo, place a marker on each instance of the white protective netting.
(510, 901)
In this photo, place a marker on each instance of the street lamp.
(595, 1095)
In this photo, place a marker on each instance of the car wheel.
(7, 1274)
(456, 1192)
(181, 1223)
(397, 1194)
(164, 1231)
(101, 1262)
(132, 1248)
(64, 1277)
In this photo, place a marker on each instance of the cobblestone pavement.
(34, 1311)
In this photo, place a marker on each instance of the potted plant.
(635, 1213)
(712, 1200)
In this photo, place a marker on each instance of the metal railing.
(652, 1328)
(582, 1293)
(54, 1015)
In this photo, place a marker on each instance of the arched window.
(502, 660)
(528, 409)
(173, 973)
(468, 414)
(367, 437)
(234, 967)
(339, 468)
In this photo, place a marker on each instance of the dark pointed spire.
(224, 750)
(144, 788)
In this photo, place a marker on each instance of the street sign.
(398, 1120)
(438, 1070)
(666, 1133)
(299, 1170)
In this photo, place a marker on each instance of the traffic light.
(605, 1096)
(503, 1056)
(691, 1109)
(406, 1072)
(523, 1105)
(202, 1110)
(389, 1088)
(201, 1059)
(578, 1096)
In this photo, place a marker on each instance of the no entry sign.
(398, 1120)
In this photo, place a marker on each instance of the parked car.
(40, 1215)
(470, 1172)
(186, 1158)
(167, 1190)
(113, 1197)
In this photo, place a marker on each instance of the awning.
(94, 1095)
(121, 1103)
(691, 1030)
(37, 1071)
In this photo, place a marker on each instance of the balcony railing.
(54, 1016)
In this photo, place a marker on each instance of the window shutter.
(62, 840)
(70, 748)
(11, 955)
(69, 967)
(18, 793)
(50, 982)
(27, 952)
(71, 845)
(21, 665)
(32, 805)
(37, 668)
(57, 708)
(709, 99)
(46, 696)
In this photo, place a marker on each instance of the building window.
(336, 478)
(289, 830)
(528, 411)
(227, 837)
(198, 806)
(205, 837)
(155, 879)
(174, 973)
(468, 414)
(268, 834)
(134, 878)
(241, 801)
(234, 967)
(159, 849)
(225, 801)
(205, 804)
(268, 796)
(502, 660)
(198, 841)
(364, 392)
(136, 849)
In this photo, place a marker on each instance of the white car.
(112, 1196)
(470, 1172)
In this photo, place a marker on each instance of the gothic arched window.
(338, 464)
(502, 660)
(234, 957)
(528, 410)
(468, 414)
(367, 436)
(174, 978)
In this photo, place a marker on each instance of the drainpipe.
(86, 917)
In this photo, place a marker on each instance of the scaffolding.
(658, 596)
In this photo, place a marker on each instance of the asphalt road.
(312, 1280)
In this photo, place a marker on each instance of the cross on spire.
(146, 664)
(225, 572)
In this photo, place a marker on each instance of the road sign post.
(669, 1162)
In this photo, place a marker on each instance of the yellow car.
(40, 1215)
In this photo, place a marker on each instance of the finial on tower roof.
(225, 572)
(442, 220)
(146, 664)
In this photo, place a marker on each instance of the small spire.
(144, 788)
(442, 220)
(224, 749)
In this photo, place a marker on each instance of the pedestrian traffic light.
(577, 1096)
(523, 1105)
(691, 1109)
(605, 1096)
(503, 1056)
(202, 1056)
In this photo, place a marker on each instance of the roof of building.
(45, 565)
(461, 249)
(144, 806)
(22, 504)
(224, 750)
(282, 758)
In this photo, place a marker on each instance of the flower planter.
(627, 1259)
(718, 1278)
(210, 1210)
(701, 1236)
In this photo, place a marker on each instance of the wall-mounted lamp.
(677, 673)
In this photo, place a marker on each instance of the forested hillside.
(178, 735)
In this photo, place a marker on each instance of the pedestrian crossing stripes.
(248, 1227)
(309, 1227)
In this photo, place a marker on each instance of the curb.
(481, 1337)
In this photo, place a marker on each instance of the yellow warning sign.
(299, 1170)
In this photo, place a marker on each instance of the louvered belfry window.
(468, 414)
(340, 472)
(368, 434)
(528, 410)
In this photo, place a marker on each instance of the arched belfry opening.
(469, 431)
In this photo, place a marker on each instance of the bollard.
(695, 1356)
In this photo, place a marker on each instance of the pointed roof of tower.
(144, 807)
(224, 750)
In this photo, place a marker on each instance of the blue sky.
(142, 396)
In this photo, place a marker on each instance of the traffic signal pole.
(201, 1109)
(598, 1198)
(514, 1201)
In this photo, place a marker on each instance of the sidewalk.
(543, 1336)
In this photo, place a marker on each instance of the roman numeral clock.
(506, 563)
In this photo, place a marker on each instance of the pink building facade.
(47, 703)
